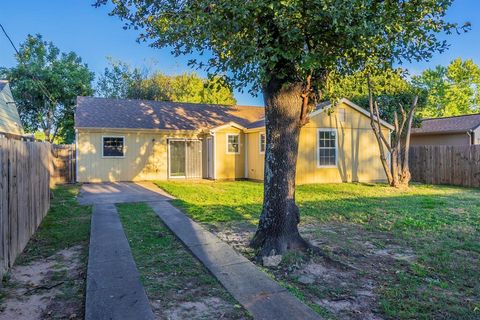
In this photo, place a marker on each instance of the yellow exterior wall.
(229, 166)
(256, 159)
(358, 153)
(453, 139)
(145, 156)
(146, 153)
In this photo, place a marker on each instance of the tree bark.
(277, 230)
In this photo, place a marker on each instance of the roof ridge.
(176, 102)
(450, 117)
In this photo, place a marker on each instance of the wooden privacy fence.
(64, 166)
(24, 194)
(453, 165)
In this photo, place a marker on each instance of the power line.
(41, 85)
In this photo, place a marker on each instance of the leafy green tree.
(123, 81)
(286, 49)
(452, 90)
(390, 86)
(119, 80)
(45, 84)
(187, 87)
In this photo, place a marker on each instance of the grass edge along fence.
(25, 169)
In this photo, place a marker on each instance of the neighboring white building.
(9, 119)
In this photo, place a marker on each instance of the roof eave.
(356, 107)
(138, 129)
(440, 132)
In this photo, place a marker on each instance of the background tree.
(285, 49)
(452, 90)
(45, 84)
(390, 87)
(122, 81)
(118, 80)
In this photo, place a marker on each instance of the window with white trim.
(327, 148)
(113, 146)
(262, 141)
(233, 143)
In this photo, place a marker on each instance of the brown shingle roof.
(449, 124)
(144, 114)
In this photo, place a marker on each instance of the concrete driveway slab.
(120, 192)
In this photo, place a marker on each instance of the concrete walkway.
(114, 290)
(259, 294)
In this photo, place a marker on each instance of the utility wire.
(41, 85)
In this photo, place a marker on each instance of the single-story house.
(128, 140)
(10, 124)
(457, 130)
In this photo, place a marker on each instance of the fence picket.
(453, 165)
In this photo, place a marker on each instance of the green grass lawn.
(438, 225)
(177, 285)
(56, 255)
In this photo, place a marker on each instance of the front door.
(185, 158)
(178, 159)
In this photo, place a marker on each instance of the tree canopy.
(123, 81)
(249, 41)
(452, 90)
(390, 87)
(45, 84)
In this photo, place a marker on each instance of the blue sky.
(74, 25)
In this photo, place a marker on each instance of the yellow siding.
(146, 153)
(145, 156)
(358, 154)
(229, 166)
(255, 158)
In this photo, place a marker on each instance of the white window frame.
(318, 147)
(233, 135)
(114, 157)
(260, 142)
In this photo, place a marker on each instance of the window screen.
(113, 146)
(327, 148)
(233, 143)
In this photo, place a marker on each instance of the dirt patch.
(44, 289)
(204, 308)
(346, 288)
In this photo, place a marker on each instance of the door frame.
(169, 160)
(210, 158)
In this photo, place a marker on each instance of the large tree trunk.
(277, 229)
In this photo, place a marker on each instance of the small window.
(233, 143)
(262, 142)
(327, 148)
(113, 146)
